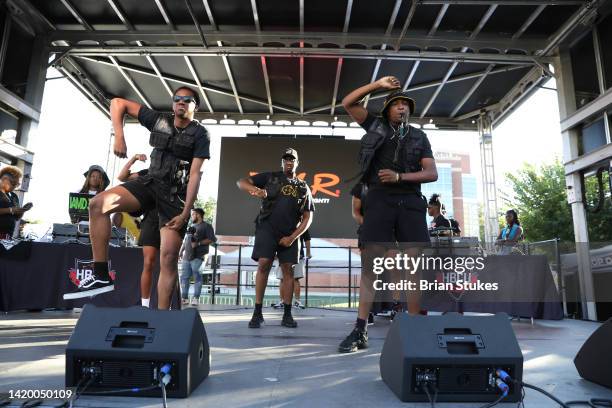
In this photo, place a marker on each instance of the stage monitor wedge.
(125, 348)
(594, 359)
(453, 354)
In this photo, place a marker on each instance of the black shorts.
(149, 230)
(267, 246)
(392, 217)
(152, 194)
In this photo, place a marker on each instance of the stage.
(276, 367)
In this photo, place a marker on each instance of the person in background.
(286, 212)
(434, 209)
(511, 234)
(96, 180)
(10, 212)
(148, 237)
(194, 253)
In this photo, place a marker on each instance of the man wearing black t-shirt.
(395, 159)
(180, 148)
(286, 212)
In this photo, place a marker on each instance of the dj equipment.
(78, 206)
(456, 355)
(455, 245)
(114, 349)
(79, 233)
(594, 359)
(69, 233)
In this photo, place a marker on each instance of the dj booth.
(36, 275)
(525, 283)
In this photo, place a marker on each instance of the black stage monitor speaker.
(594, 359)
(455, 355)
(114, 348)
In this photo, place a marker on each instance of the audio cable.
(593, 402)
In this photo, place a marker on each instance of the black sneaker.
(288, 321)
(356, 340)
(370, 318)
(256, 321)
(92, 285)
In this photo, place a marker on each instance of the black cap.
(290, 152)
(95, 167)
(398, 95)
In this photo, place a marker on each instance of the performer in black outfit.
(149, 238)
(180, 148)
(286, 212)
(394, 160)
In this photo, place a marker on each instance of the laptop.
(78, 206)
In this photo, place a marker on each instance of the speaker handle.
(476, 339)
(115, 332)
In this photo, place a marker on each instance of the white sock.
(145, 302)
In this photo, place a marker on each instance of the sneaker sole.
(261, 323)
(351, 350)
(89, 293)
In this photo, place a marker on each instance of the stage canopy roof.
(294, 60)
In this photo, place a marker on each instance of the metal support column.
(491, 221)
(34, 89)
(33, 95)
(567, 106)
(4, 41)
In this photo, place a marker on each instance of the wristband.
(11, 208)
(397, 180)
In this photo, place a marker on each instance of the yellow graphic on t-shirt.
(289, 190)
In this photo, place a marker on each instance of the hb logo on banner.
(83, 269)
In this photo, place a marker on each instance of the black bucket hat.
(395, 96)
(95, 167)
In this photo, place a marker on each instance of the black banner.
(325, 164)
(37, 275)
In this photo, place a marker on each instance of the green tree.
(209, 206)
(540, 199)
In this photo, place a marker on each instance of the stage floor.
(279, 367)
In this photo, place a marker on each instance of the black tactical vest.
(411, 147)
(172, 151)
(273, 189)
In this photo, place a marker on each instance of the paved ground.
(279, 367)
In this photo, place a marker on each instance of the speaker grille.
(126, 374)
(462, 379)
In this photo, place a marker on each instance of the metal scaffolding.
(489, 189)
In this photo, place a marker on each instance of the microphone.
(403, 127)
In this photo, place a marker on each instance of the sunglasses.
(184, 98)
